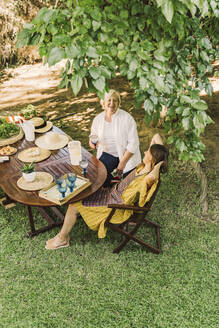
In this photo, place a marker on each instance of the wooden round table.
(57, 164)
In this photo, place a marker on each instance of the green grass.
(86, 286)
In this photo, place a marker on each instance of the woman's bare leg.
(69, 222)
(62, 238)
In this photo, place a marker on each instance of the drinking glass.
(71, 177)
(94, 139)
(59, 181)
(71, 181)
(84, 164)
(62, 189)
(70, 185)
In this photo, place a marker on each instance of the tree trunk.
(204, 187)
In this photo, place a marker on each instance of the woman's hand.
(121, 167)
(92, 145)
(124, 161)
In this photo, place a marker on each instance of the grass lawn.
(86, 286)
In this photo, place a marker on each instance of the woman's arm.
(156, 139)
(127, 155)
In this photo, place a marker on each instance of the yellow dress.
(96, 216)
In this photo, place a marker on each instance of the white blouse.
(125, 132)
(109, 140)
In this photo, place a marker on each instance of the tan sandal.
(56, 243)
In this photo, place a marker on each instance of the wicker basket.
(13, 139)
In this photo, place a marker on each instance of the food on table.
(8, 150)
(8, 130)
(29, 112)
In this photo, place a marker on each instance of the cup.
(94, 139)
(29, 130)
(74, 148)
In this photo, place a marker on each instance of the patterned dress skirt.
(111, 195)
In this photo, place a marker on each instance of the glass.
(94, 139)
(62, 189)
(74, 148)
(84, 164)
(71, 178)
(59, 181)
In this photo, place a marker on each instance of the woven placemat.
(13, 139)
(42, 180)
(33, 154)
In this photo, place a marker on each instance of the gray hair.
(109, 94)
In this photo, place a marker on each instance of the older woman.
(146, 175)
(118, 143)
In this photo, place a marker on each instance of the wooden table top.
(57, 164)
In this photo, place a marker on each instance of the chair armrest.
(129, 207)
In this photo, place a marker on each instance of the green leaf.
(99, 83)
(72, 51)
(131, 75)
(209, 89)
(105, 72)
(197, 123)
(186, 99)
(96, 25)
(148, 106)
(95, 14)
(159, 55)
(61, 39)
(168, 10)
(170, 140)
(185, 123)
(23, 38)
(122, 54)
(180, 145)
(64, 82)
(204, 56)
(95, 72)
(124, 14)
(123, 69)
(133, 64)
(206, 43)
(55, 56)
(76, 83)
(136, 8)
(186, 111)
(200, 104)
(91, 52)
(143, 83)
(179, 109)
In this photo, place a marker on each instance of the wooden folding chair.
(139, 218)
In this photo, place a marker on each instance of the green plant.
(29, 112)
(7, 130)
(28, 168)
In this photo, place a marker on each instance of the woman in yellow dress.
(94, 210)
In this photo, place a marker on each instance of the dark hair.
(160, 153)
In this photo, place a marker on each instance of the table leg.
(51, 223)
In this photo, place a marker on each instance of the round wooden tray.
(13, 139)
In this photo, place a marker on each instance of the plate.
(8, 150)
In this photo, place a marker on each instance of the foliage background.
(163, 47)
